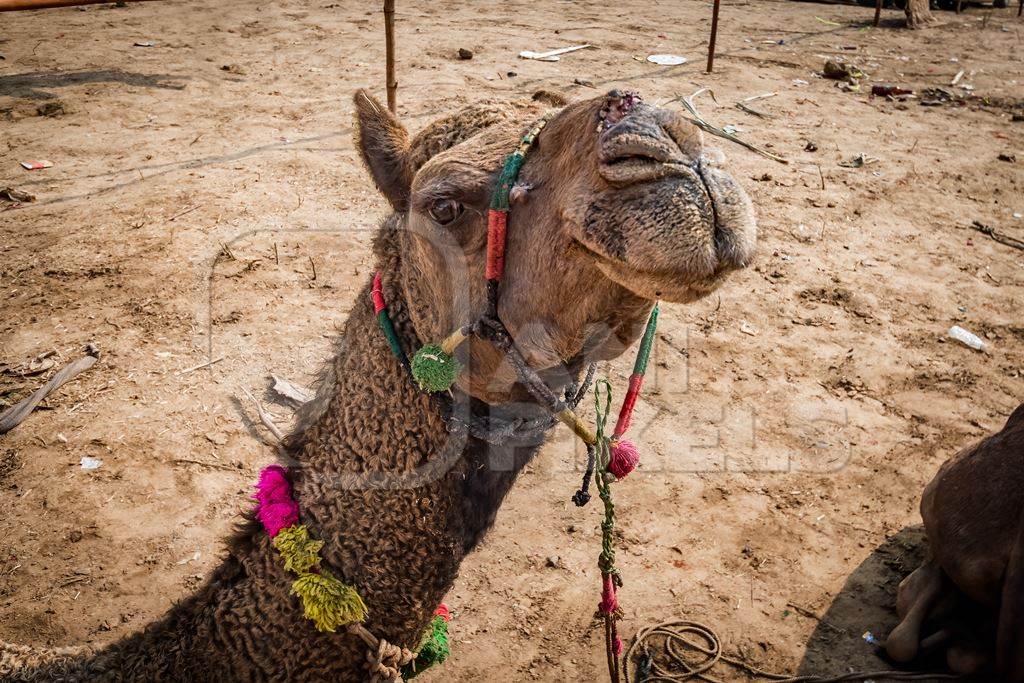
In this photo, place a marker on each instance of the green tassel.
(433, 650)
(300, 552)
(328, 602)
(433, 369)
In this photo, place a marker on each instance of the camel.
(969, 592)
(617, 205)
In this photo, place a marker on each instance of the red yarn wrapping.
(624, 458)
(497, 222)
(377, 294)
(628, 403)
(617, 645)
(609, 603)
(442, 611)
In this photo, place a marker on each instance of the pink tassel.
(274, 505)
(277, 516)
(617, 645)
(624, 459)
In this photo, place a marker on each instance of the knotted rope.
(383, 659)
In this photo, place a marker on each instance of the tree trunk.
(919, 13)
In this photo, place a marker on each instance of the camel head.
(618, 204)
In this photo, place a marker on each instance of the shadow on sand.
(867, 602)
(36, 85)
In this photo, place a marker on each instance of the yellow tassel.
(328, 602)
(300, 552)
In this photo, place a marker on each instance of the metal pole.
(389, 57)
(714, 35)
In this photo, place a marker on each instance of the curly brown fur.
(398, 499)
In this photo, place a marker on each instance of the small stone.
(554, 561)
(465, 54)
(75, 536)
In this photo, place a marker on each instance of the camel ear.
(383, 143)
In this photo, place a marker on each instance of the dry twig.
(701, 123)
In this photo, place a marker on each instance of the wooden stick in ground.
(878, 12)
(12, 5)
(13, 416)
(389, 54)
(714, 36)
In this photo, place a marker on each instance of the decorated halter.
(435, 369)
(329, 602)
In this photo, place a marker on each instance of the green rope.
(509, 173)
(384, 320)
(606, 562)
(643, 355)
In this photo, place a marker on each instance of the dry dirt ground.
(205, 201)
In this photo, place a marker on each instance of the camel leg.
(915, 598)
(1010, 634)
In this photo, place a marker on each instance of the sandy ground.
(205, 201)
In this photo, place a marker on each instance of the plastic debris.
(90, 463)
(747, 328)
(799, 81)
(666, 60)
(36, 164)
(841, 71)
(551, 56)
(870, 639)
(889, 91)
(967, 338)
(145, 43)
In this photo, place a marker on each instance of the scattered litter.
(811, 146)
(799, 82)
(90, 463)
(870, 639)
(732, 129)
(13, 416)
(890, 91)
(859, 161)
(998, 236)
(191, 558)
(297, 393)
(841, 71)
(1002, 157)
(465, 54)
(36, 164)
(934, 97)
(551, 56)
(584, 82)
(666, 60)
(827, 22)
(145, 43)
(747, 328)
(966, 338)
(12, 195)
(956, 79)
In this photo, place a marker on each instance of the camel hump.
(27, 664)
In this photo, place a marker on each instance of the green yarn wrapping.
(643, 355)
(433, 650)
(384, 320)
(433, 369)
(300, 552)
(509, 173)
(328, 602)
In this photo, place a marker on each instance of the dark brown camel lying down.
(615, 206)
(968, 597)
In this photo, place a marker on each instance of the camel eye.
(444, 211)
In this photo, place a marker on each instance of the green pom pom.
(328, 602)
(300, 552)
(433, 369)
(433, 650)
